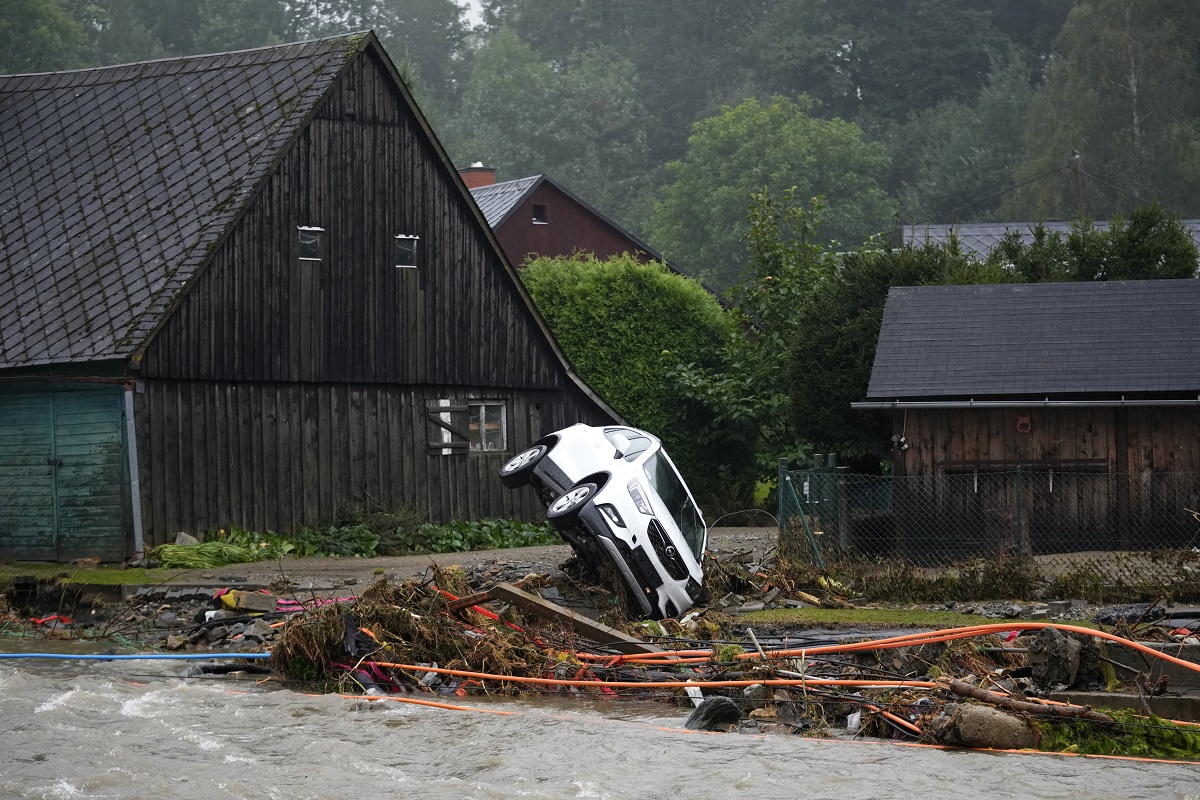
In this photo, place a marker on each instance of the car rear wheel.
(564, 511)
(518, 469)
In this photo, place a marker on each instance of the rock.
(969, 725)
(1013, 612)
(713, 714)
(185, 539)
(175, 642)
(165, 620)
(1060, 660)
(1058, 607)
(216, 633)
(756, 693)
(1038, 614)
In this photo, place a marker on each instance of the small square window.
(539, 215)
(487, 427)
(406, 250)
(310, 240)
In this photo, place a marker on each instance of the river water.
(137, 729)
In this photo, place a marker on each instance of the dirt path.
(359, 571)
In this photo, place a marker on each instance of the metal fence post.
(843, 511)
(1020, 541)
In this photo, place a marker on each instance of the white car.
(615, 496)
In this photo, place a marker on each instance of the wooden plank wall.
(1157, 439)
(277, 456)
(1093, 478)
(364, 171)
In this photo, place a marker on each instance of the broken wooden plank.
(468, 601)
(584, 626)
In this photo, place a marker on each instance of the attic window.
(310, 241)
(406, 250)
(539, 215)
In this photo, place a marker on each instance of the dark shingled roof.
(116, 182)
(1040, 339)
(980, 238)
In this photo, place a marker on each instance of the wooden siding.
(1114, 440)
(1092, 478)
(364, 171)
(277, 456)
(569, 228)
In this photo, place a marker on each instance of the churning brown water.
(136, 729)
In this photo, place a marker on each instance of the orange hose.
(431, 703)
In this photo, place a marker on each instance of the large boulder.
(714, 714)
(970, 725)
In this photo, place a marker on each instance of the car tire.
(520, 467)
(564, 511)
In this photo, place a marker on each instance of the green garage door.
(62, 474)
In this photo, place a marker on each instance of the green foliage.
(1149, 244)
(393, 527)
(201, 556)
(952, 161)
(1120, 95)
(623, 324)
(39, 36)
(745, 391)
(577, 120)
(1130, 735)
(781, 146)
(486, 534)
(353, 541)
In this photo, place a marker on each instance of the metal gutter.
(135, 486)
(876, 405)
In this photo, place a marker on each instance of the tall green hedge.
(623, 324)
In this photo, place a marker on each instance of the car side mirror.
(621, 442)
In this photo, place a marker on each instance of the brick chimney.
(478, 175)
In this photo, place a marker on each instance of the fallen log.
(963, 689)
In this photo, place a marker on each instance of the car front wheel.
(564, 511)
(518, 469)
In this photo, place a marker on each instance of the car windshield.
(669, 486)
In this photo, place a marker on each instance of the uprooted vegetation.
(440, 640)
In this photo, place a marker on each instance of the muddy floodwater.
(137, 729)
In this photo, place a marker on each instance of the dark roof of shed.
(1041, 339)
(980, 238)
(116, 182)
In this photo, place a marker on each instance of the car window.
(634, 444)
(670, 487)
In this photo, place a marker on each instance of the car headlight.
(639, 498)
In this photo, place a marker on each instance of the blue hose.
(143, 657)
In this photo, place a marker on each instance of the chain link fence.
(1116, 526)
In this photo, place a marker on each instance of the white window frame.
(318, 235)
(416, 240)
(489, 412)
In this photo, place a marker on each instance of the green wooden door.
(63, 479)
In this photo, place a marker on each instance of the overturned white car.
(615, 496)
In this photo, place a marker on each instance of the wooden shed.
(1084, 397)
(250, 288)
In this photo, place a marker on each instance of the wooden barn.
(538, 216)
(1043, 417)
(250, 288)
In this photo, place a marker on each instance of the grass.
(863, 617)
(101, 576)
